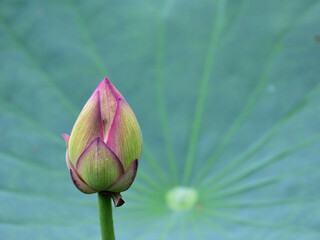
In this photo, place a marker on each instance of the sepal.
(116, 198)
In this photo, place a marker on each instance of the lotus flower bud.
(105, 144)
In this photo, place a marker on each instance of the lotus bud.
(105, 144)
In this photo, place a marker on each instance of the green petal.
(125, 181)
(98, 166)
(125, 137)
(79, 183)
(87, 127)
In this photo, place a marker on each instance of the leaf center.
(181, 198)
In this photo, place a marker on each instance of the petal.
(69, 164)
(77, 181)
(98, 166)
(124, 182)
(108, 103)
(66, 138)
(87, 127)
(125, 137)
(80, 184)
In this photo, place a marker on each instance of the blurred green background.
(227, 96)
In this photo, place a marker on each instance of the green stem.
(105, 215)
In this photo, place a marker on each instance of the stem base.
(105, 215)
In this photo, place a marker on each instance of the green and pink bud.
(105, 144)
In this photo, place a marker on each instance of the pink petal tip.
(66, 138)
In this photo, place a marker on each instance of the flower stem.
(105, 215)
